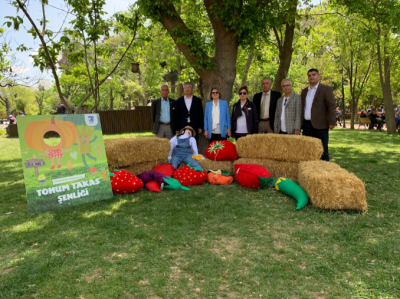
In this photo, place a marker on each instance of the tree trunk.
(285, 49)
(173, 86)
(179, 68)
(247, 65)
(111, 100)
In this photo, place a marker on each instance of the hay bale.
(276, 168)
(208, 164)
(289, 148)
(331, 187)
(131, 151)
(138, 168)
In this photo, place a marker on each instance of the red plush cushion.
(166, 169)
(153, 186)
(125, 182)
(190, 176)
(221, 151)
(247, 175)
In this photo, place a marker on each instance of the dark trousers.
(217, 137)
(323, 134)
(239, 135)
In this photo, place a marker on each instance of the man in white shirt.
(319, 110)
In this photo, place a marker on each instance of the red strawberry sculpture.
(190, 176)
(164, 168)
(124, 182)
(221, 151)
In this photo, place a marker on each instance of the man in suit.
(163, 114)
(189, 111)
(288, 111)
(265, 102)
(319, 114)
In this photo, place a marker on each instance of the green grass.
(210, 242)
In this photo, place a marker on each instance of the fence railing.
(114, 122)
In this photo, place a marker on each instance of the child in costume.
(183, 146)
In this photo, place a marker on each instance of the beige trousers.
(264, 127)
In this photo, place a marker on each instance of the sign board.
(64, 171)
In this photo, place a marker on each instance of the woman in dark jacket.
(244, 115)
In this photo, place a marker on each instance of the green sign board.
(68, 170)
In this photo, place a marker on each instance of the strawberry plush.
(190, 176)
(251, 175)
(164, 168)
(123, 182)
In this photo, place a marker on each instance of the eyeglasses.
(244, 93)
(284, 86)
(215, 92)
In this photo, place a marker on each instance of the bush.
(3, 132)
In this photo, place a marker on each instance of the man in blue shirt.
(163, 114)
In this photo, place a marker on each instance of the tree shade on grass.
(209, 242)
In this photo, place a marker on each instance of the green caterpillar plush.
(287, 187)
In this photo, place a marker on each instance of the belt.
(165, 124)
(264, 119)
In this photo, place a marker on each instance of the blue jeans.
(183, 152)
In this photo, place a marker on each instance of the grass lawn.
(210, 242)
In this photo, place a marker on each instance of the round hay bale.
(289, 148)
(129, 151)
(331, 187)
(276, 168)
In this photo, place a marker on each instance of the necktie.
(285, 102)
(264, 100)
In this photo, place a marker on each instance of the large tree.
(231, 23)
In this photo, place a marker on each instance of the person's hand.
(331, 127)
(296, 132)
(228, 132)
(200, 131)
(206, 133)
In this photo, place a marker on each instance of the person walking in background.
(319, 115)
(338, 116)
(163, 114)
(244, 115)
(217, 122)
(288, 111)
(265, 102)
(189, 111)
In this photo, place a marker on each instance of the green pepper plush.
(173, 184)
(287, 187)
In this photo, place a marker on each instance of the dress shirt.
(165, 111)
(283, 124)
(309, 101)
(188, 102)
(241, 125)
(216, 127)
(192, 141)
(265, 102)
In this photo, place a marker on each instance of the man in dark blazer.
(265, 102)
(319, 110)
(163, 114)
(189, 111)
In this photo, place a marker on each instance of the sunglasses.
(215, 92)
(244, 93)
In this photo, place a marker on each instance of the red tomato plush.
(190, 176)
(153, 186)
(247, 175)
(221, 151)
(123, 182)
(165, 168)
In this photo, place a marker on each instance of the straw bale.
(129, 151)
(276, 168)
(138, 168)
(331, 187)
(289, 148)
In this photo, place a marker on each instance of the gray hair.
(188, 83)
(284, 80)
(266, 78)
(163, 85)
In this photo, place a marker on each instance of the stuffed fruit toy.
(162, 180)
(287, 187)
(190, 176)
(164, 168)
(220, 177)
(248, 175)
(221, 151)
(123, 182)
(153, 186)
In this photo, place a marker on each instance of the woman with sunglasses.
(244, 115)
(217, 122)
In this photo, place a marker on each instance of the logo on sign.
(91, 119)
